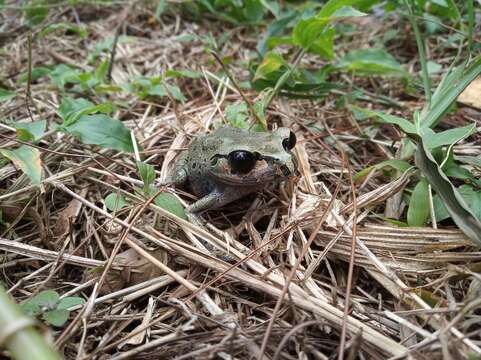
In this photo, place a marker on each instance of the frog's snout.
(289, 168)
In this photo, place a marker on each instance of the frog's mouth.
(266, 169)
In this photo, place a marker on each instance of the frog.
(229, 163)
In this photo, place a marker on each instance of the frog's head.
(248, 158)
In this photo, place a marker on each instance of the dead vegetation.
(320, 243)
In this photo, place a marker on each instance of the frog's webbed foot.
(193, 214)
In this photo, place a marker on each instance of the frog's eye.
(290, 142)
(242, 161)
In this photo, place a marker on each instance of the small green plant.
(50, 307)
(433, 152)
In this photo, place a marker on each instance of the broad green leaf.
(306, 32)
(324, 45)
(63, 74)
(347, 11)
(71, 109)
(28, 159)
(81, 31)
(31, 131)
(434, 68)
(169, 202)
(418, 211)
(45, 299)
(102, 69)
(56, 317)
(393, 163)
(275, 27)
(452, 199)
(175, 92)
(449, 137)
(473, 199)
(332, 6)
(115, 202)
(70, 301)
(101, 130)
(237, 115)
(147, 174)
(371, 62)
(36, 12)
(404, 124)
(6, 94)
(161, 6)
(183, 73)
(272, 62)
(440, 211)
(37, 72)
(469, 194)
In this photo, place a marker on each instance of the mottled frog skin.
(230, 163)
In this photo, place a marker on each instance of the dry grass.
(412, 292)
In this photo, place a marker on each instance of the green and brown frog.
(229, 163)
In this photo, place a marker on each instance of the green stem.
(422, 53)
(470, 25)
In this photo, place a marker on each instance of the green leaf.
(237, 115)
(56, 317)
(371, 62)
(399, 165)
(115, 202)
(161, 6)
(6, 94)
(101, 130)
(452, 199)
(37, 72)
(183, 73)
(70, 301)
(332, 6)
(63, 74)
(272, 62)
(175, 92)
(451, 86)
(36, 12)
(82, 32)
(30, 131)
(347, 11)
(449, 137)
(404, 124)
(102, 69)
(147, 174)
(169, 202)
(306, 32)
(324, 45)
(418, 211)
(46, 299)
(71, 109)
(28, 159)
(434, 68)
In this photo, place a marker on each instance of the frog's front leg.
(179, 177)
(203, 204)
(218, 198)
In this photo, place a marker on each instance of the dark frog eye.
(290, 142)
(242, 161)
